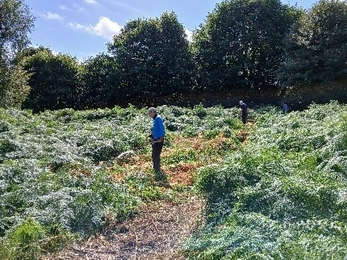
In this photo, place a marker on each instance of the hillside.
(275, 188)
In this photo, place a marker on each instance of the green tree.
(154, 59)
(100, 80)
(317, 46)
(28, 52)
(241, 44)
(14, 86)
(54, 80)
(16, 22)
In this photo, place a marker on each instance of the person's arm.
(156, 128)
(162, 128)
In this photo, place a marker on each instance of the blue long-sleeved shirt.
(158, 130)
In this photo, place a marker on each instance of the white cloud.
(92, 2)
(52, 16)
(55, 53)
(78, 26)
(79, 8)
(63, 7)
(105, 27)
(189, 34)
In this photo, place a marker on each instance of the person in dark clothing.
(244, 111)
(158, 134)
(285, 108)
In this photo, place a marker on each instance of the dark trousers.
(156, 151)
(244, 118)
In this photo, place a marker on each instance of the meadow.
(274, 189)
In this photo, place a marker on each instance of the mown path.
(156, 233)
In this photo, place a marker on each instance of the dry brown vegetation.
(156, 233)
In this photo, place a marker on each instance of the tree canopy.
(16, 22)
(100, 82)
(316, 49)
(242, 47)
(241, 44)
(54, 80)
(153, 58)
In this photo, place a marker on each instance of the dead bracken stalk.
(156, 233)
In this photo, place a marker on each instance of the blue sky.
(81, 28)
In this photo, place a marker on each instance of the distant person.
(244, 111)
(285, 108)
(157, 139)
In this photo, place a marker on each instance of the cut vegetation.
(78, 184)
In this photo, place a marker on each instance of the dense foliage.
(241, 44)
(54, 80)
(99, 86)
(317, 48)
(153, 58)
(14, 86)
(49, 176)
(254, 49)
(16, 22)
(278, 192)
(59, 170)
(283, 194)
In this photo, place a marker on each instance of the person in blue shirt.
(158, 134)
(244, 111)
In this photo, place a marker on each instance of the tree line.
(243, 45)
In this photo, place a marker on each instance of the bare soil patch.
(156, 233)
